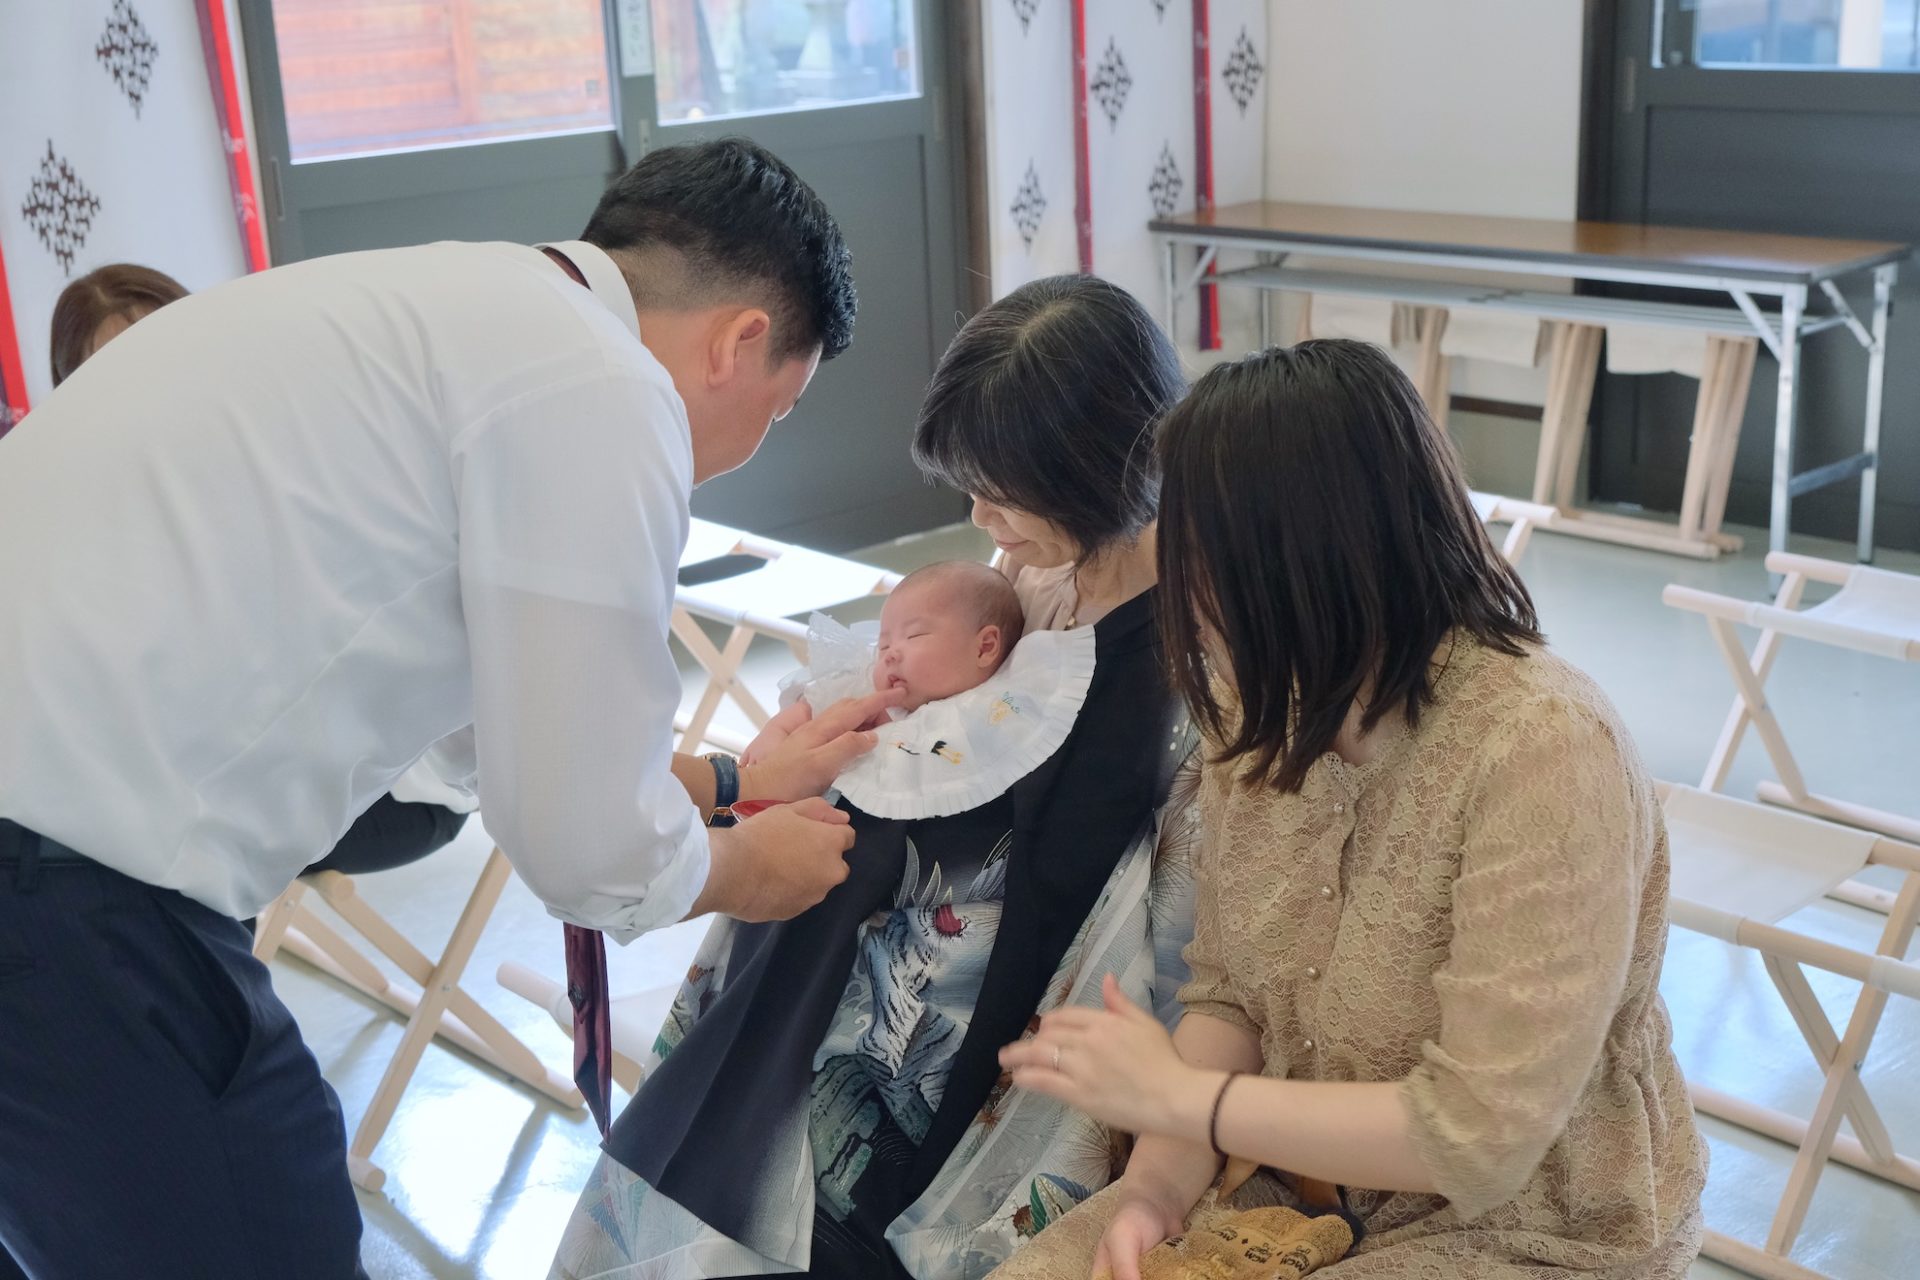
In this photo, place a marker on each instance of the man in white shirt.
(261, 553)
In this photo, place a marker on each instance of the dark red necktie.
(592, 1021)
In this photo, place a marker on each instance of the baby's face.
(931, 648)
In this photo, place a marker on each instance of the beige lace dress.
(1479, 914)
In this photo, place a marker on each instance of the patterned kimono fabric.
(879, 1014)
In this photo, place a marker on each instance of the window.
(718, 58)
(1847, 35)
(361, 76)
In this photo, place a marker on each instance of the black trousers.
(160, 1115)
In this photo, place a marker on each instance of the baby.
(945, 629)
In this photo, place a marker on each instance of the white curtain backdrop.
(109, 152)
(1142, 57)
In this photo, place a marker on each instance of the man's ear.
(988, 644)
(739, 340)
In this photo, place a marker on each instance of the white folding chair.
(1875, 612)
(793, 582)
(1739, 868)
(1522, 518)
(440, 1008)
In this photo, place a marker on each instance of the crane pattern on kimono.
(901, 949)
(896, 1069)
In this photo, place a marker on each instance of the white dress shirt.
(268, 547)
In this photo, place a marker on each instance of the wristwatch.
(726, 782)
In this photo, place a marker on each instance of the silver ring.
(1056, 1057)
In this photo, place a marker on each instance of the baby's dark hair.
(983, 588)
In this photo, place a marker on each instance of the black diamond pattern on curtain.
(1243, 71)
(1112, 82)
(1028, 205)
(1024, 10)
(1164, 190)
(126, 49)
(59, 208)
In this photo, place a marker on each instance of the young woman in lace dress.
(1432, 877)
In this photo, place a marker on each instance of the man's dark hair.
(1046, 403)
(747, 228)
(1315, 520)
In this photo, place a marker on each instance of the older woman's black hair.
(1316, 521)
(1046, 402)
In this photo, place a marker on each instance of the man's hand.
(776, 864)
(777, 731)
(799, 755)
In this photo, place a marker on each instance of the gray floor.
(482, 1175)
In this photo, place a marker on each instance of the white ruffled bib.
(960, 752)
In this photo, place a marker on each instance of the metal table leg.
(1173, 290)
(1792, 304)
(1883, 279)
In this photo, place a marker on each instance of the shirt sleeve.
(443, 776)
(573, 510)
(1171, 889)
(1545, 906)
(1210, 988)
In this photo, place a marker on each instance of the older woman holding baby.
(827, 1097)
(1424, 1027)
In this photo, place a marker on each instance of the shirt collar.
(604, 278)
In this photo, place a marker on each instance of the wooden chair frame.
(1751, 710)
(1521, 519)
(1839, 1055)
(441, 1008)
(1573, 365)
(845, 580)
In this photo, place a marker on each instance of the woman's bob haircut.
(1046, 402)
(1317, 540)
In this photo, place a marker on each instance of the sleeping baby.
(944, 630)
(948, 628)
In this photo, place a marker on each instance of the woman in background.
(1432, 879)
(102, 305)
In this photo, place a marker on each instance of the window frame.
(291, 191)
(1672, 44)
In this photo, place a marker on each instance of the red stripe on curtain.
(13, 375)
(1082, 163)
(1203, 159)
(217, 45)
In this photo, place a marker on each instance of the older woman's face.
(1034, 542)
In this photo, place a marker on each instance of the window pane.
(748, 57)
(1857, 35)
(395, 75)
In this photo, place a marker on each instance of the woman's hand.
(799, 754)
(1143, 1220)
(1117, 1064)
